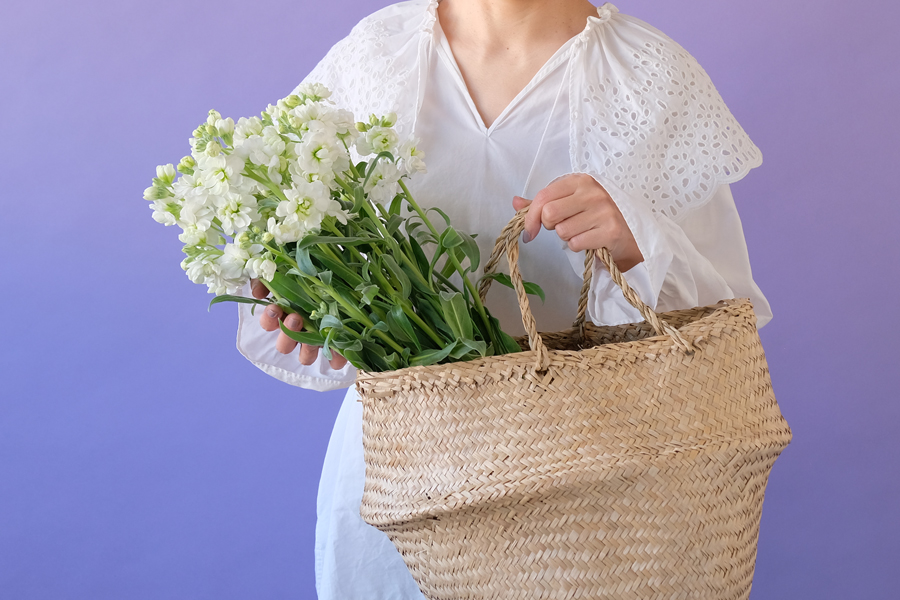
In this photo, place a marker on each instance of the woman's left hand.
(584, 215)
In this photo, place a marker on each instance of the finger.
(284, 344)
(308, 354)
(519, 203)
(270, 317)
(560, 188)
(577, 206)
(577, 225)
(258, 289)
(337, 361)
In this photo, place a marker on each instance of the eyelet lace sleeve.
(646, 115)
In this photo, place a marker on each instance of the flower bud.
(389, 119)
(213, 148)
(151, 194)
(213, 117)
(166, 173)
(292, 101)
(187, 165)
(225, 126)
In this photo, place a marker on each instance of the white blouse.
(694, 250)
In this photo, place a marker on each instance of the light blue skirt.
(354, 561)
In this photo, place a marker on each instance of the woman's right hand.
(269, 320)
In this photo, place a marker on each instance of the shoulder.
(374, 68)
(402, 18)
(385, 32)
(651, 119)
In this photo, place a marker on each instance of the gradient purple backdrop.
(141, 457)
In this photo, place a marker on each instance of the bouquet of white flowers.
(279, 198)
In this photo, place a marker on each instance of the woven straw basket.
(623, 462)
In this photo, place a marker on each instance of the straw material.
(621, 463)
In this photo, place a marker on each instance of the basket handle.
(508, 241)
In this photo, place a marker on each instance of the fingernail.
(272, 312)
(526, 237)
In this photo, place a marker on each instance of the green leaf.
(238, 299)
(357, 358)
(456, 314)
(304, 262)
(396, 271)
(345, 344)
(359, 197)
(368, 292)
(291, 291)
(440, 212)
(325, 277)
(304, 337)
(330, 321)
(393, 223)
(401, 327)
(396, 205)
(431, 357)
(312, 240)
(419, 255)
(477, 345)
(326, 347)
(470, 249)
(450, 238)
(530, 288)
(393, 361)
(341, 269)
(505, 343)
(434, 318)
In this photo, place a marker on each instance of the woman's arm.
(698, 261)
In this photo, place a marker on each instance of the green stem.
(450, 255)
(407, 309)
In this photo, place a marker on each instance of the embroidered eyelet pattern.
(659, 129)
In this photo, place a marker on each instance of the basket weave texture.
(623, 463)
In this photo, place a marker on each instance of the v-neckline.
(446, 54)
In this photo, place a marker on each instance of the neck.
(498, 25)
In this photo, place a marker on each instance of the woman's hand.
(584, 215)
(269, 321)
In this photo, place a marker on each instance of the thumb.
(519, 203)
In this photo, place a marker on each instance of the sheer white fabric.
(691, 240)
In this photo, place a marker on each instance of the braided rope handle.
(508, 241)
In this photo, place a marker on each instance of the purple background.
(142, 457)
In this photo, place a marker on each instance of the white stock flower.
(247, 127)
(284, 231)
(412, 160)
(345, 126)
(166, 173)
(261, 267)
(232, 263)
(236, 212)
(314, 116)
(314, 91)
(272, 137)
(382, 185)
(321, 154)
(165, 211)
(306, 205)
(188, 186)
(255, 149)
(219, 173)
(376, 140)
(202, 266)
(225, 126)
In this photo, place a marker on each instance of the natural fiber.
(623, 463)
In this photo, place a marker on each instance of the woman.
(611, 129)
